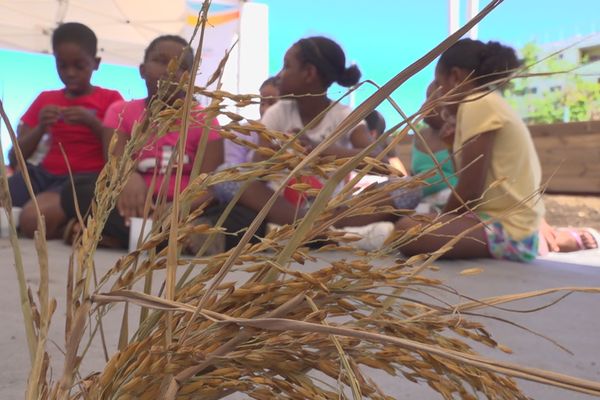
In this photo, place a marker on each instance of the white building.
(578, 55)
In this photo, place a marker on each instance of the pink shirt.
(156, 155)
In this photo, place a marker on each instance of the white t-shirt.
(284, 116)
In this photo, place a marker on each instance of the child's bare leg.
(366, 219)
(565, 241)
(400, 199)
(473, 245)
(55, 218)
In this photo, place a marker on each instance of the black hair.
(75, 32)
(376, 122)
(167, 38)
(488, 61)
(272, 81)
(329, 59)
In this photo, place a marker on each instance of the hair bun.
(350, 76)
(502, 54)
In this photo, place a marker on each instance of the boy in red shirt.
(72, 118)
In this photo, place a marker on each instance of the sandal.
(195, 241)
(595, 236)
(71, 232)
(576, 234)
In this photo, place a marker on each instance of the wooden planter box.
(569, 154)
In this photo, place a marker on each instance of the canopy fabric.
(124, 27)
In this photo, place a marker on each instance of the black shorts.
(41, 181)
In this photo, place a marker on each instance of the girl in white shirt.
(310, 67)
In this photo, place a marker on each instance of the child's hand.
(131, 201)
(549, 234)
(79, 115)
(48, 116)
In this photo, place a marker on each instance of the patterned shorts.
(502, 247)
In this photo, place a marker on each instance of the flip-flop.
(576, 235)
(73, 231)
(69, 234)
(594, 234)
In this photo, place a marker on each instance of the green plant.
(553, 90)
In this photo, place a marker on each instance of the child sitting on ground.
(311, 65)
(152, 161)
(499, 170)
(72, 119)
(551, 239)
(426, 143)
(252, 200)
(376, 126)
(236, 153)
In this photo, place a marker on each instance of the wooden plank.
(566, 129)
(570, 151)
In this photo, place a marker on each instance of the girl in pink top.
(120, 119)
(121, 116)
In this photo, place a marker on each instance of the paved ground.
(574, 322)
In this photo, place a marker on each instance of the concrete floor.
(574, 322)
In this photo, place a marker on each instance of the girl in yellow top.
(499, 170)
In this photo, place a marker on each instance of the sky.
(381, 36)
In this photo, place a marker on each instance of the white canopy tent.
(125, 27)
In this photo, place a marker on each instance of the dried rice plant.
(280, 333)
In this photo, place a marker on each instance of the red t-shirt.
(82, 147)
(155, 156)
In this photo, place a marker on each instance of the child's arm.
(28, 137)
(477, 155)
(110, 127)
(133, 197)
(213, 157)
(107, 135)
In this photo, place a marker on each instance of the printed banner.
(220, 34)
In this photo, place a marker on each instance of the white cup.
(4, 223)
(135, 231)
